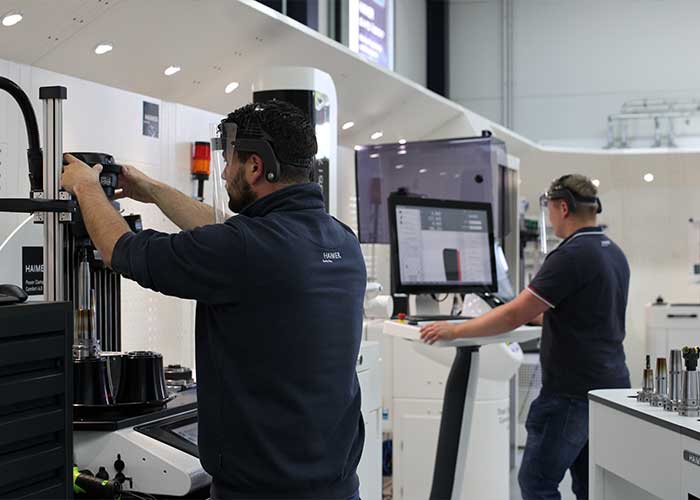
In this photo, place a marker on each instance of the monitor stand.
(425, 306)
(451, 478)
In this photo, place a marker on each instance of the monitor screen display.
(451, 169)
(188, 432)
(370, 30)
(441, 245)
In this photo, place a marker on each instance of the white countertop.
(401, 328)
(621, 399)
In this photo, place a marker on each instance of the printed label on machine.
(691, 457)
(33, 270)
(151, 119)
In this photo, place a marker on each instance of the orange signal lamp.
(200, 168)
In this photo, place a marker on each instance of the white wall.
(410, 40)
(100, 118)
(574, 63)
(475, 56)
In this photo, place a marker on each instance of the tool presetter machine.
(127, 426)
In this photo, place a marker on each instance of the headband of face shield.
(259, 142)
(573, 199)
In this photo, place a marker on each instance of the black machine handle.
(34, 154)
(681, 316)
(109, 177)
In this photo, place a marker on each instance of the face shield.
(544, 222)
(222, 149)
(573, 200)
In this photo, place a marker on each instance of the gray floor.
(564, 487)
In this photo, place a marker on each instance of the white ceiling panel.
(214, 42)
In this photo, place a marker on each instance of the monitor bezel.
(396, 284)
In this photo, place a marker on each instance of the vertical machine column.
(313, 92)
(54, 237)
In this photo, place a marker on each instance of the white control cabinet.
(419, 388)
(420, 375)
(369, 371)
(671, 326)
(641, 452)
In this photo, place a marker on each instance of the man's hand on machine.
(136, 185)
(438, 331)
(77, 174)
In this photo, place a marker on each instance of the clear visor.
(544, 199)
(222, 149)
(544, 222)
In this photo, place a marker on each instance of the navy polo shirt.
(280, 291)
(585, 282)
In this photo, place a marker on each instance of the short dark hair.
(293, 137)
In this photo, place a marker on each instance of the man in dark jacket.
(279, 292)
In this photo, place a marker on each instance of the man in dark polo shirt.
(279, 292)
(582, 290)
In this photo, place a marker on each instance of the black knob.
(102, 474)
(119, 465)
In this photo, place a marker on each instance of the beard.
(240, 193)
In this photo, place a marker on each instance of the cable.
(457, 304)
(12, 234)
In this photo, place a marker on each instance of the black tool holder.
(65, 237)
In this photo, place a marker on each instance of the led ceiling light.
(348, 125)
(422, 170)
(231, 87)
(377, 135)
(399, 167)
(171, 70)
(402, 141)
(596, 182)
(11, 19)
(374, 155)
(103, 48)
(649, 177)
(358, 147)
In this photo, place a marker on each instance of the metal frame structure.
(657, 111)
